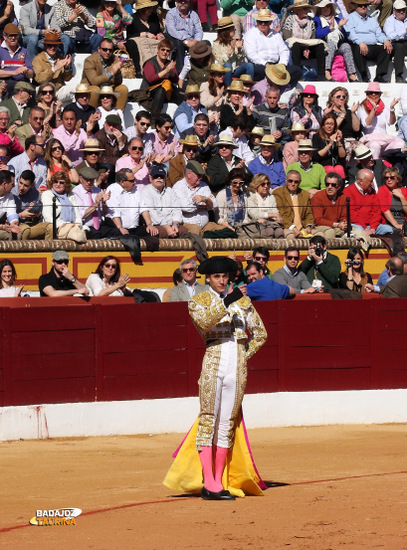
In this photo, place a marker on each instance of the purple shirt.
(72, 143)
(141, 175)
(10, 61)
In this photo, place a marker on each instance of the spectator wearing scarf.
(232, 200)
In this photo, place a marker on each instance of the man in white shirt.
(196, 200)
(163, 204)
(264, 46)
(9, 228)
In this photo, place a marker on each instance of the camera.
(319, 251)
(350, 263)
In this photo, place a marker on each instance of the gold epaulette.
(244, 301)
(203, 298)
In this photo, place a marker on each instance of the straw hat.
(246, 79)
(362, 152)
(297, 127)
(52, 39)
(300, 4)
(107, 90)
(218, 68)
(263, 15)
(306, 145)
(225, 23)
(236, 86)
(199, 50)
(141, 4)
(258, 131)
(399, 5)
(191, 140)
(82, 89)
(92, 145)
(192, 89)
(325, 3)
(226, 139)
(270, 141)
(278, 74)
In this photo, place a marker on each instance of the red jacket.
(384, 198)
(325, 212)
(364, 209)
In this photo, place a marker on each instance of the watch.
(73, 280)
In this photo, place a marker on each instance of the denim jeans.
(245, 68)
(33, 43)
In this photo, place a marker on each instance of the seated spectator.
(248, 84)
(213, 91)
(144, 33)
(107, 105)
(396, 286)
(206, 132)
(165, 144)
(67, 211)
(294, 206)
(75, 21)
(46, 99)
(329, 208)
(35, 20)
(91, 201)
(184, 29)
(36, 126)
(330, 149)
(107, 280)
(307, 111)
(365, 211)
(17, 104)
(103, 68)
(290, 275)
(234, 104)
(368, 41)
(354, 278)
(237, 129)
(256, 135)
(232, 201)
(312, 174)
(185, 114)
(4, 156)
(126, 205)
(7, 133)
(176, 279)
(29, 209)
(262, 288)
(271, 117)
(364, 158)
(320, 266)
(85, 112)
(228, 51)
(267, 163)
(196, 65)
(49, 66)
(196, 200)
(237, 10)
(177, 165)
(189, 286)
(8, 276)
(392, 198)
(57, 161)
(137, 164)
(16, 65)
(91, 154)
(140, 127)
(329, 26)
(346, 118)
(31, 159)
(261, 255)
(9, 226)
(395, 30)
(250, 21)
(374, 117)
(264, 46)
(112, 21)
(72, 136)
(163, 205)
(160, 75)
(276, 75)
(262, 207)
(113, 141)
(223, 162)
(60, 281)
(290, 149)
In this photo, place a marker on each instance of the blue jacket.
(186, 109)
(267, 289)
(274, 171)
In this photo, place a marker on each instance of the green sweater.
(328, 272)
(310, 179)
(237, 7)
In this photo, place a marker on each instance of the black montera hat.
(217, 264)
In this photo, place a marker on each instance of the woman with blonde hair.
(392, 197)
(262, 207)
(67, 211)
(346, 119)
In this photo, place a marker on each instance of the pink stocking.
(205, 456)
(220, 461)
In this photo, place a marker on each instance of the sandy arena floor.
(331, 487)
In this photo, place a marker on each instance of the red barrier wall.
(68, 350)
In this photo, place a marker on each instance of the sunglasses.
(38, 118)
(137, 148)
(237, 182)
(3, 158)
(110, 266)
(40, 145)
(193, 96)
(260, 259)
(59, 182)
(144, 123)
(373, 93)
(130, 181)
(293, 181)
(389, 177)
(106, 50)
(167, 127)
(60, 262)
(340, 96)
(190, 147)
(47, 92)
(56, 148)
(308, 95)
(188, 269)
(293, 258)
(264, 184)
(330, 184)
